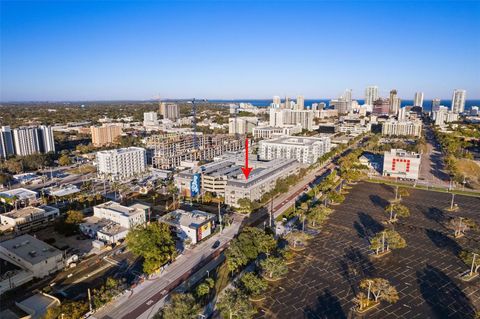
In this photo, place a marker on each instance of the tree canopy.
(181, 306)
(235, 305)
(154, 243)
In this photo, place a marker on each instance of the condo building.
(305, 150)
(26, 140)
(418, 100)
(267, 132)
(105, 134)
(120, 164)
(282, 117)
(458, 101)
(402, 128)
(241, 125)
(170, 111)
(150, 119)
(371, 95)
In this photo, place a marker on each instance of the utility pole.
(220, 217)
(89, 300)
(451, 203)
(473, 264)
(383, 242)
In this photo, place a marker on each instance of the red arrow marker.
(246, 170)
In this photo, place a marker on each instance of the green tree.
(467, 257)
(67, 310)
(380, 289)
(386, 240)
(106, 292)
(274, 267)
(396, 210)
(207, 197)
(245, 206)
(253, 284)
(154, 243)
(318, 215)
(235, 305)
(64, 160)
(296, 238)
(74, 217)
(336, 197)
(181, 306)
(5, 178)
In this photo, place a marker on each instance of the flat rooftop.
(63, 190)
(124, 210)
(30, 248)
(402, 153)
(20, 193)
(191, 219)
(24, 212)
(294, 140)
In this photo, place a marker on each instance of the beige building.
(170, 111)
(402, 128)
(105, 134)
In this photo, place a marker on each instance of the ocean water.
(427, 104)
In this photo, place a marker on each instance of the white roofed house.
(194, 226)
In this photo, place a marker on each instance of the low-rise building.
(194, 226)
(111, 221)
(267, 132)
(34, 257)
(401, 164)
(19, 195)
(29, 218)
(304, 149)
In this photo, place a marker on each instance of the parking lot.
(324, 278)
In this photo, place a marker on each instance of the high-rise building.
(150, 119)
(371, 95)
(418, 101)
(241, 125)
(169, 111)
(276, 102)
(300, 105)
(105, 135)
(280, 118)
(121, 163)
(31, 140)
(458, 101)
(6, 142)
(394, 102)
(348, 95)
(435, 104)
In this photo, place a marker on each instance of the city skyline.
(64, 51)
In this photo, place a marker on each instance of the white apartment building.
(458, 101)
(443, 116)
(282, 117)
(150, 119)
(31, 140)
(371, 95)
(401, 164)
(402, 128)
(121, 163)
(267, 132)
(418, 100)
(354, 128)
(241, 125)
(303, 149)
(29, 218)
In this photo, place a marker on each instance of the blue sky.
(89, 50)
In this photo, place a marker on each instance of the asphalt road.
(432, 166)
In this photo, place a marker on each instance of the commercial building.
(26, 140)
(342, 105)
(304, 149)
(402, 128)
(170, 111)
(107, 134)
(260, 181)
(458, 101)
(193, 226)
(169, 150)
(418, 100)
(111, 221)
(29, 218)
(401, 164)
(354, 128)
(267, 132)
(300, 103)
(371, 95)
(33, 257)
(241, 125)
(282, 117)
(150, 119)
(121, 163)
(225, 178)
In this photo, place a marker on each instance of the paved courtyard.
(324, 278)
